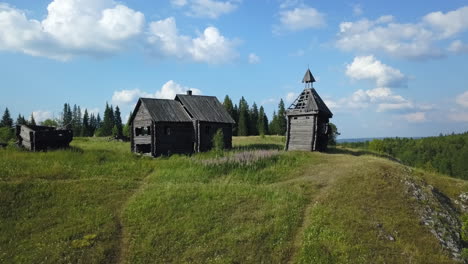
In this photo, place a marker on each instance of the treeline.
(445, 154)
(252, 121)
(83, 124)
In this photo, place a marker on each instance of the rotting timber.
(41, 138)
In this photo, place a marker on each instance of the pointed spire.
(308, 77)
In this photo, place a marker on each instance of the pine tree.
(20, 120)
(243, 123)
(7, 121)
(262, 122)
(98, 121)
(228, 106)
(85, 128)
(66, 116)
(281, 118)
(127, 127)
(32, 121)
(273, 127)
(108, 123)
(253, 118)
(118, 122)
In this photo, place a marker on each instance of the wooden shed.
(38, 138)
(184, 125)
(307, 120)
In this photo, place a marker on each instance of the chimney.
(189, 92)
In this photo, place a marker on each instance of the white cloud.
(171, 88)
(462, 99)
(290, 97)
(300, 18)
(167, 91)
(368, 67)
(41, 115)
(458, 47)
(210, 46)
(207, 8)
(254, 58)
(412, 41)
(416, 117)
(71, 27)
(450, 23)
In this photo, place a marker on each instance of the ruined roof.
(163, 110)
(205, 108)
(309, 102)
(308, 77)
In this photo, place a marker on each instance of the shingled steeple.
(308, 78)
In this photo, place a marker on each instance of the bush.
(218, 140)
(6, 134)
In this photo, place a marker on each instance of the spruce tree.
(98, 121)
(32, 121)
(108, 122)
(228, 106)
(127, 127)
(253, 118)
(92, 125)
(243, 123)
(20, 120)
(66, 116)
(273, 127)
(85, 128)
(281, 118)
(262, 122)
(7, 121)
(118, 122)
(235, 112)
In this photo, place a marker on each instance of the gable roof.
(309, 102)
(205, 108)
(163, 110)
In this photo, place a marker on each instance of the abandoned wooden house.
(38, 138)
(307, 120)
(184, 125)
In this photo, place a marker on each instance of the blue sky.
(383, 70)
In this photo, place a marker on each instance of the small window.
(167, 131)
(137, 131)
(295, 117)
(307, 117)
(207, 129)
(143, 131)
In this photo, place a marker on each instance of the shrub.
(218, 140)
(6, 134)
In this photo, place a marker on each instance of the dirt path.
(320, 178)
(123, 236)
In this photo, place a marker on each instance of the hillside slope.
(97, 203)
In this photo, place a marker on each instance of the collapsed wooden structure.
(184, 125)
(37, 138)
(307, 120)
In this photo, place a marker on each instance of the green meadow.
(98, 203)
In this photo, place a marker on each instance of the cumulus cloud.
(450, 23)
(254, 58)
(167, 91)
(71, 27)
(290, 97)
(462, 99)
(41, 115)
(368, 67)
(300, 18)
(210, 46)
(206, 8)
(416, 117)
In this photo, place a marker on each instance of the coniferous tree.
(235, 113)
(108, 122)
(281, 118)
(127, 127)
(7, 121)
(243, 123)
(66, 115)
(273, 127)
(21, 120)
(118, 122)
(85, 128)
(92, 125)
(227, 103)
(32, 121)
(98, 121)
(262, 122)
(253, 118)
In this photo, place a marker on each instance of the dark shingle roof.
(163, 110)
(308, 77)
(309, 101)
(205, 108)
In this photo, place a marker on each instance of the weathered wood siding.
(301, 132)
(37, 138)
(142, 120)
(208, 129)
(171, 138)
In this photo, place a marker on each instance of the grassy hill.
(98, 203)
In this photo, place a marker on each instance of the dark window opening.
(295, 117)
(307, 117)
(143, 148)
(207, 129)
(167, 131)
(143, 131)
